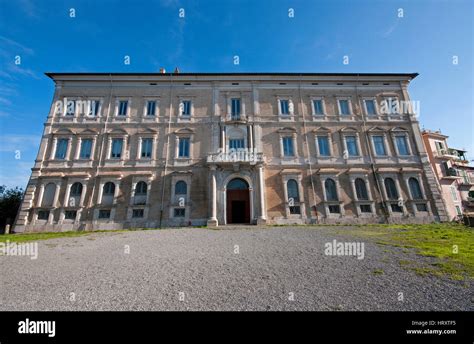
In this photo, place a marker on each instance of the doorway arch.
(238, 201)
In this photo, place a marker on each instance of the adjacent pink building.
(454, 175)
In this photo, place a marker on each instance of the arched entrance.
(238, 201)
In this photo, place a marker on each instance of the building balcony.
(451, 154)
(236, 157)
(451, 173)
(235, 118)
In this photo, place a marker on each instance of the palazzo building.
(124, 150)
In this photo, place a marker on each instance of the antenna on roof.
(176, 70)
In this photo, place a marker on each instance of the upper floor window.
(76, 189)
(151, 108)
(402, 145)
(415, 188)
(379, 145)
(141, 189)
(186, 108)
(123, 108)
(236, 143)
(323, 146)
(361, 190)
(117, 145)
(86, 149)
(146, 148)
(292, 189)
(331, 190)
(61, 149)
(183, 149)
(235, 108)
(439, 146)
(351, 146)
(284, 107)
(318, 107)
(391, 189)
(454, 194)
(344, 107)
(181, 188)
(288, 146)
(109, 189)
(370, 107)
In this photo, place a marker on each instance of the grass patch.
(378, 272)
(450, 244)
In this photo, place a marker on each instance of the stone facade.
(150, 150)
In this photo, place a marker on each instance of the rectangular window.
(179, 212)
(365, 208)
(421, 207)
(379, 145)
(334, 209)
(137, 213)
(61, 148)
(236, 143)
(235, 108)
(70, 215)
(183, 151)
(318, 107)
(439, 146)
(453, 193)
(43, 215)
(186, 108)
(146, 149)
(104, 214)
(295, 209)
(344, 107)
(370, 107)
(284, 107)
(288, 146)
(94, 108)
(351, 145)
(458, 210)
(323, 146)
(151, 108)
(117, 145)
(396, 208)
(123, 107)
(86, 149)
(402, 145)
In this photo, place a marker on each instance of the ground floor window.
(365, 208)
(421, 207)
(70, 214)
(334, 209)
(295, 209)
(104, 214)
(137, 213)
(179, 212)
(43, 214)
(396, 208)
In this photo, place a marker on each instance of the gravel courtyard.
(245, 268)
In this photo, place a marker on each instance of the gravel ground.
(279, 268)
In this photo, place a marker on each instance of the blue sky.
(261, 33)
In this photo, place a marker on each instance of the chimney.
(176, 70)
(162, 70)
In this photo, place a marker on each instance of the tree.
(10, 201)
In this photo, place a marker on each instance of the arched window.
(361, 190)
(76, 189)
(141, 188)
(237, 184)
(391, 189)
(331, 191)
(109, 189)
(292, 188)
(48, 195)
(181, 188)
(415, 188)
